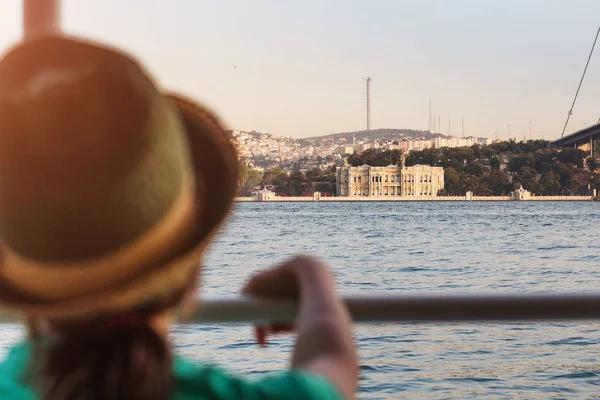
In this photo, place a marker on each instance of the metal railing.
(406, 308)
(409, 308)
(43, 16)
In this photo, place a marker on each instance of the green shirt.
(192, 382)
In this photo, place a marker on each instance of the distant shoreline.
(406, 199)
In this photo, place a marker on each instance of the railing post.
(40, 17)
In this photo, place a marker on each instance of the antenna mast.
(429, 115)
(368, 104)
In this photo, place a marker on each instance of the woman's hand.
(282, 282)
(324, 345)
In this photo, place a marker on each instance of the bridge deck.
(580, 137)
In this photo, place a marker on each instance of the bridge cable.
(580, 82)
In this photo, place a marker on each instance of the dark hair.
(99, 363)
(99, 360)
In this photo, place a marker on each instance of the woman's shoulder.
(194, 381)
(13, 374)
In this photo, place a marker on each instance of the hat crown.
(92, 155)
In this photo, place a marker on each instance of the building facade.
(418, 180)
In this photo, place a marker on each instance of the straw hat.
(109, 189)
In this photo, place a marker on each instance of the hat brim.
(216, 170)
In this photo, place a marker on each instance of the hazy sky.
(296, 68)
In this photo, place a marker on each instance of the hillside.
(371, 135)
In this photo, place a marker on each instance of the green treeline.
(494, 169)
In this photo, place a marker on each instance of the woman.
(109, 193)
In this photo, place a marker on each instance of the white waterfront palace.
(365, 180)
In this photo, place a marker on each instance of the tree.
(544, 159)
(267, 178)
(550, 184)
(376, 158)
(249, 177)
(469, 183)
(452, 184)
(431, 156)
(396, 157)
(519, 161)
(592, 164)
(495, 162)
(254, 179)
(355, 160)
(324, 187)
(298, 183)
(386, 158)
(328, 176)
(566, 173)
(243, 174)
(313, 174)
(474, 168)
(498, 182)
(275, 176)
(527, 177)
(369, 157)
(568, 155)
